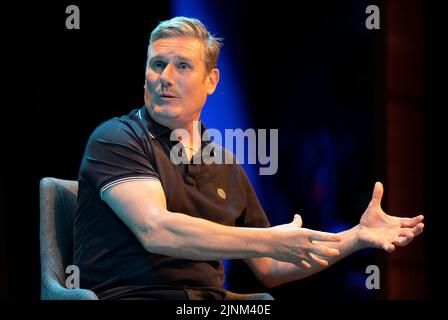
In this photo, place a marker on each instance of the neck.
(193, 139)
(188, 130)
(190, 138)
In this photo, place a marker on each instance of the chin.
(164, 112)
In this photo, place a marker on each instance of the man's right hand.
(295, 244)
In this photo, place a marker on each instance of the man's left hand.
(380, 230)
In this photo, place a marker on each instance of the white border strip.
(115, 182)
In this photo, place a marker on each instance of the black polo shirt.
(112, 261)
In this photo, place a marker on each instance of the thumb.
(297, 220)
(377, 194)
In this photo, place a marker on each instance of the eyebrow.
(180, 57)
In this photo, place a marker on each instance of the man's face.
(177, 83)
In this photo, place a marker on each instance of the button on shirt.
(134, 147)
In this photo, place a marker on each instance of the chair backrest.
(58, 202)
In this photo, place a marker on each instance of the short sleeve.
(253, 215)
(115, 154)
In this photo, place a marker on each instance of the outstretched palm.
(380, 230)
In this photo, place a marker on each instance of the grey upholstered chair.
(58, 201)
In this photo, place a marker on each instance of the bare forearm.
(282, 272)
(179, 235)
(187, 237)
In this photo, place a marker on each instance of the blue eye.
(157, 65)
(183, 66)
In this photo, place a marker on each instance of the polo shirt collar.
(156, 129)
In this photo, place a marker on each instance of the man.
(147, 228)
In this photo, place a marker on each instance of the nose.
(166, 77)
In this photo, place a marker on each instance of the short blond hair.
(191, 28)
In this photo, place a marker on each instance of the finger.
(305, 264)
(297, 220)
(320, 261)
(324, 251)
(404, 232)
(418, 229)
(377, 194)
(324, 236)
(403, 241)
(389, 247)
(411, 222)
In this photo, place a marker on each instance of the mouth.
(167, 96)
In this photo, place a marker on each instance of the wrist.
(270, 242)
(358, 243)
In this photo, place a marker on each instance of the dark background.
(352, 106)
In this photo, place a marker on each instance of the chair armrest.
(52, 290)
(247, 296)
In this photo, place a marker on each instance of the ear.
(212, 80)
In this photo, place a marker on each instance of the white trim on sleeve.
(118, 181)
